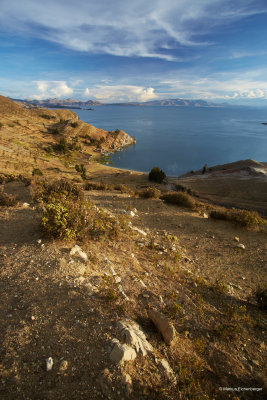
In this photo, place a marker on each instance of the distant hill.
(72, 103)
(57, 103)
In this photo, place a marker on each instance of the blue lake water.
(180, 139)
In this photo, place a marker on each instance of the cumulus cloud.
(219, 86)
(125, 28)
(122, 93)
(49, 89)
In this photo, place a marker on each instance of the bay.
(180, 139)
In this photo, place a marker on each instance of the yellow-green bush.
(180, 199)
(248, 219)
(150, 193)
(7, 200)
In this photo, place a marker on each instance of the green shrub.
(123, 188)
(81, 168)
(7, 200)
(181, 188)
(179, 199)
(62, 146)
(245, 218)
(47, 116)
(43, 191)
(156, 175)
(74, 124)
(150, 193)
(37, 171)
(55, 131)
(97, 186)
(69, 217)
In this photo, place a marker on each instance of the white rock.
(49, 363)
(122, 352)
(77, 250)
(167, 370)
(132, 334)
(117, 279)
(25, 205)
(132, 214)
(39, 241)
(241, 246)
(237, 239)
(128, 384)
(134, 228)
(142, 283)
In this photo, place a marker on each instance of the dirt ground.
(55, 305)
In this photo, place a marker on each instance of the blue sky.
(136, 50)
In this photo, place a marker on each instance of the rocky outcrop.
(162, 324)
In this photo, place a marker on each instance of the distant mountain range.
(78, 104)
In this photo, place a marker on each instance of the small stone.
(167, 370)
(166, 329)
(132, 214)
(122, 352)
(117, 279)
(236, 239)
(128, 384)
(241, 246)
(77, 250)
(105, 382)
(39, 241)
(134, 228)
(25, 205)
(49, 363)
(63, 366)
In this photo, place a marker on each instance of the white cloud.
(124, 28)
(219, 86)
(86, 93)
(122, 93)
(49, 89)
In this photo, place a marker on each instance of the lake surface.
(180, 139)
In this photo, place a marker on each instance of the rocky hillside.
(50, 140)
(112, 286)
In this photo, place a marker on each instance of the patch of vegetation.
(1, 125)
(97, 186)
(179, 199)
(47, 116)
(104, 159)
(67, 214)
(74, 124)
(5, 178)
(55, 131)
(7, 200)
(110, 288)
(261, 296)
(245, 218)
(156, 175)
(81, 169)
(181, 188)
(150, 193)
(123, 188)
(231, 326)
(221, 286)
(37, 172)
(43, 191)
